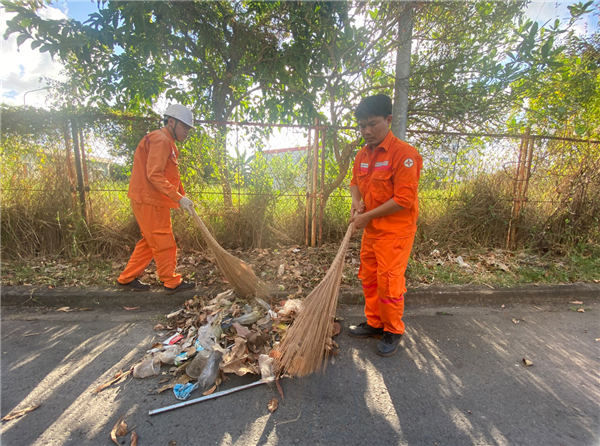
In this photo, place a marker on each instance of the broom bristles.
(304, 348)
(237, 272)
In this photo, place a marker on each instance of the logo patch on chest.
(381, 163)
(364, 165)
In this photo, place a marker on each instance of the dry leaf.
(113, 432)
(337, 328)
(577, 302)
(272, 406)
(132, 308)
(581, 310)
(279, 389)
(597, 339)
(118, 377)
(241, 330)
(537, 308)
(527, 362)
(209, 391)
(84, 309)
(515, 321)
(503, 306)
(64, 309)
(158, 327)
(134, 438)
(122, 429)
(19, 413)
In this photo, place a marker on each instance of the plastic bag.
(209, 375)
(168, 356)
(206, 336)
(265, 305)
(267, 367)
(291, 306)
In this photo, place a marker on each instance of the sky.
(23, 68)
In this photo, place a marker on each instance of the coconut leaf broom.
(237, 272)
(305, 348)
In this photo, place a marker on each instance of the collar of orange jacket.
(166, 132)
(385, 144)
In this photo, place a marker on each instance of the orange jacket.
(392, 170)
(155, 174)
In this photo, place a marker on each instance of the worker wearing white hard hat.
(154, 189)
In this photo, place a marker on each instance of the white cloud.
(548, 11)
(23, 67)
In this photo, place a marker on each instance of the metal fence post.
(521, 184)
(84, 168)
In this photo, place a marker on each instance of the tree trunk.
(402, 82)
(219, 112)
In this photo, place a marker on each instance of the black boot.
(183, 286)
(135, 285)
(388, 346)
(364, 330)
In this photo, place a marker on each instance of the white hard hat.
(182, 113)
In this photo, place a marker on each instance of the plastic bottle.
(248, 318)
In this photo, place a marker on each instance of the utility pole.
(402, 82)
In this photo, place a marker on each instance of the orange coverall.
(392, 170)
(154, 189)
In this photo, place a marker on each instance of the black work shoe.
(364, 330)
(388, 346)
(135, 285)
(183, 286)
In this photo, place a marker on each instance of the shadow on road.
(458, 379)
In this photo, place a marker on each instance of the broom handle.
(205, 232)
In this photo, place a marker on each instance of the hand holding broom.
(237, 272)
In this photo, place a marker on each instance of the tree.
(216, 56)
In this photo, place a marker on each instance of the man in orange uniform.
(154, 189)
(384, 185)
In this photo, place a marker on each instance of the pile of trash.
(205, 340)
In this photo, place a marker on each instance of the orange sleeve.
(159, 151)
(406, 178)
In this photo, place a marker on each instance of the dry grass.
(306, 346)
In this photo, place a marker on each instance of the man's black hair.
(378, 105)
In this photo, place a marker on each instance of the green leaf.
(22, 38)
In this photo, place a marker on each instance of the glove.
(186, 204)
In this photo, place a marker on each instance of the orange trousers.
(157, 242)
(382, 267)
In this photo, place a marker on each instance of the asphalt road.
(459, 379)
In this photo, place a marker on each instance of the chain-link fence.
(65, 181)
